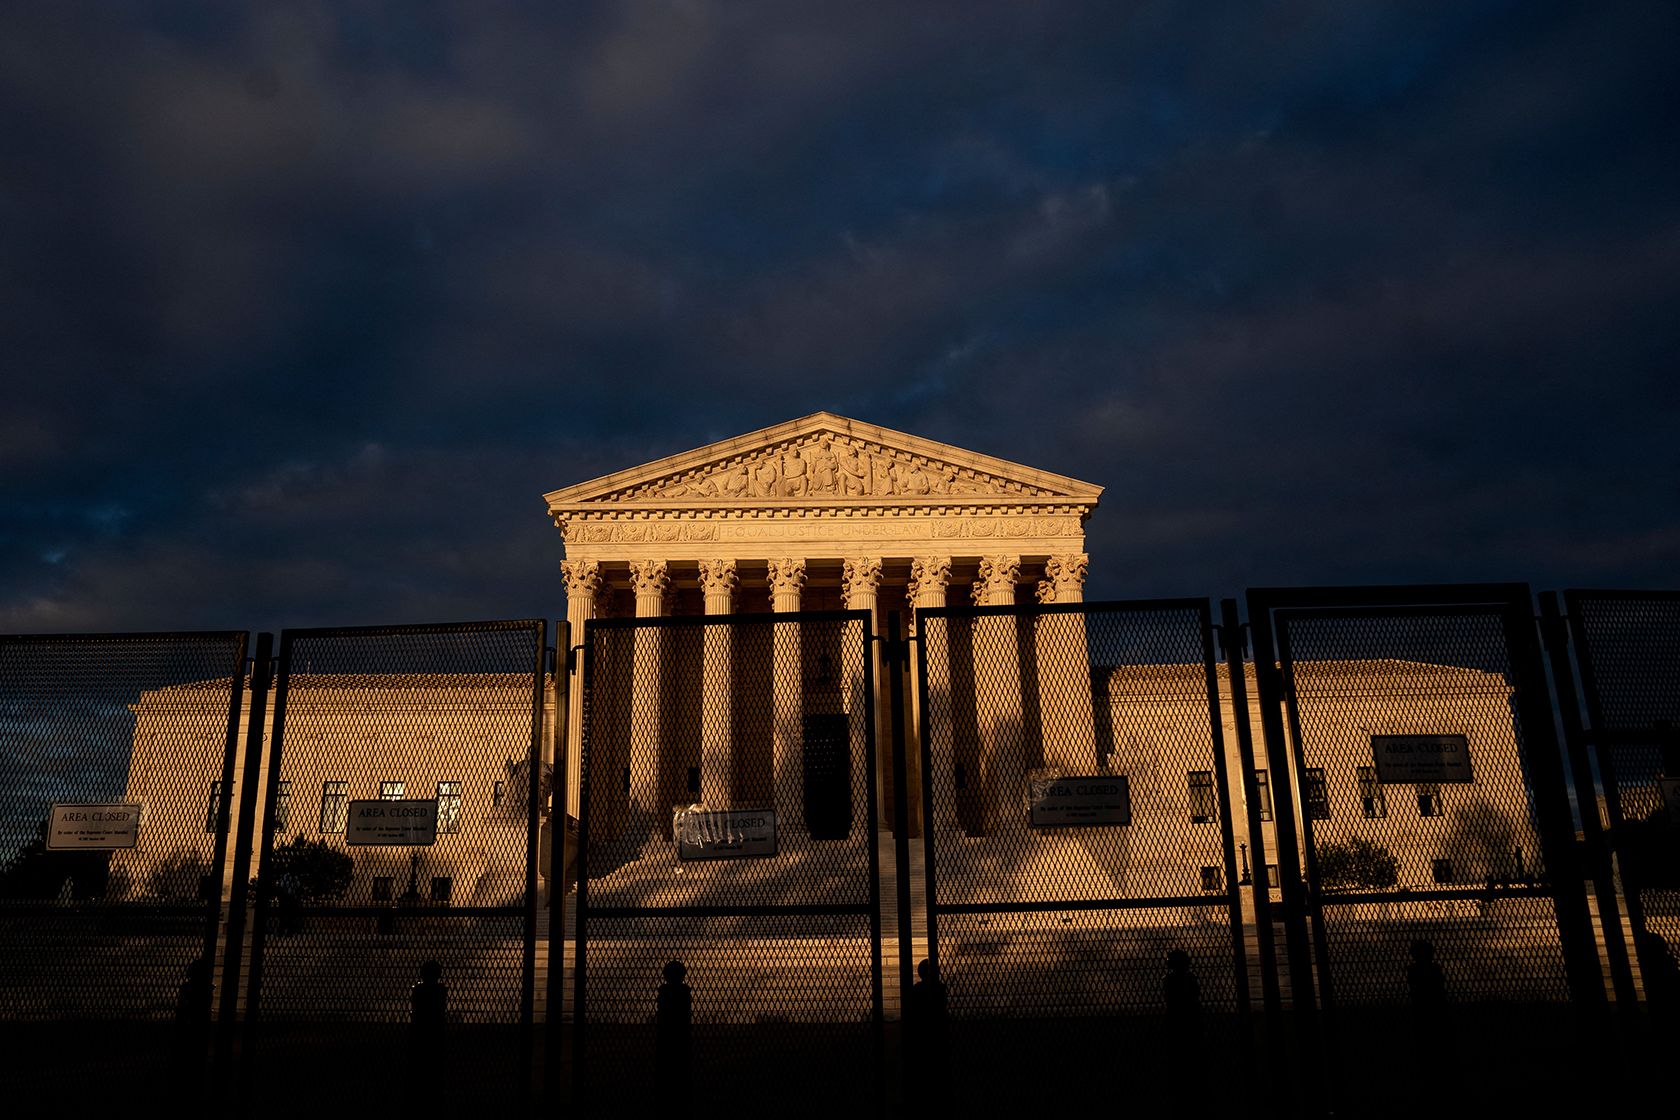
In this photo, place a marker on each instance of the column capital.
(718, 577)
(787, 576)
(860, 579)
(583, 578)
(996, 585)
(649, 577)
(1066, 574)
(1046, 591)
(929, 576)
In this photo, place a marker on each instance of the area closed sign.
(1065, 802)
(391, 824)
(732, 834)
(97, 824)
(1421, 758)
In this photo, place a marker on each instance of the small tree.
(314, 870)
(1358, 863)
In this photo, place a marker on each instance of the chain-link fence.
(117, 760)
(405, 796)
(1627, 645)
(728, 822)
(1078, 824)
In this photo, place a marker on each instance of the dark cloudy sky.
(303, 305)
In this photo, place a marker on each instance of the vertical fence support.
(240, 898)
(893, 665)
(553, 1050)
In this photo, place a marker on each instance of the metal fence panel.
(696, 730)
(1628, 649)
(1031, 916)
(1473, 858)
(142, 720)
(446, 717)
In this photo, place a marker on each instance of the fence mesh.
(1031, 912)
(1628, 648)
(441, 720)
(729, 822)
(1457, 863)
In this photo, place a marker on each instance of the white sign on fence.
(93, 824)
(734, 834)
(1064, 802)
(392, 824)
(1421, 758)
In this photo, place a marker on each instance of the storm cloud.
(304, 305)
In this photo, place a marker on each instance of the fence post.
(239, 900)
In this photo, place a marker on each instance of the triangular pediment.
(824, 459)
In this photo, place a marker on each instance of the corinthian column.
(650, 578)
(583, 585)
(997, 677)
(787, 583)
(1063, 668)
(717, 580)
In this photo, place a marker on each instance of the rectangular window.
(213, 812)
(442, 888)
(1371, 801)
(500, 792)
(282, 806)
(382, 885)
(1442, 869)
(1201, 796)
(390, 791)
(449, 807)
(1318, 795)
(1212, 880)
(1271, 876)
(1263, 788)
(1429, 800)
(334, 805)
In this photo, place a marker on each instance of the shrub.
(1358, 863)
(314, 870)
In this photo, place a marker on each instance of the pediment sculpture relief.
(829, 467)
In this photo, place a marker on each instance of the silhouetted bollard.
(1424, 977)
(674, 1032)
(428, 1003)
(928, 1032)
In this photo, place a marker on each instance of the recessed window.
(694, 779)
(449, 807)
(442, 888)
(213, 811)
(960, 776)
(1271, 876)
(382, 885)
(282, 806)
(1442, 870)
(500, 791)
(334, 805)
(1429, 800)
(1263, 792)
(1212, 879)
(1371, 801)
(390, 791)
(1201, 796)
(1318, 795)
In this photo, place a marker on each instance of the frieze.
(898, 528)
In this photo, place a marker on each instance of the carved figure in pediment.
(969, 486)
(940, 479)
(736, 481)
(854, 473)
(764, 476)
(794, 480)
(881, 481)
(917, 480)
(825, 468)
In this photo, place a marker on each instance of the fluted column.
(787, 584)
(930, 576)
(1063, 668)
(860, 584)
(997, 675)
(717, 581)
(649, 578)
(583, 585)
